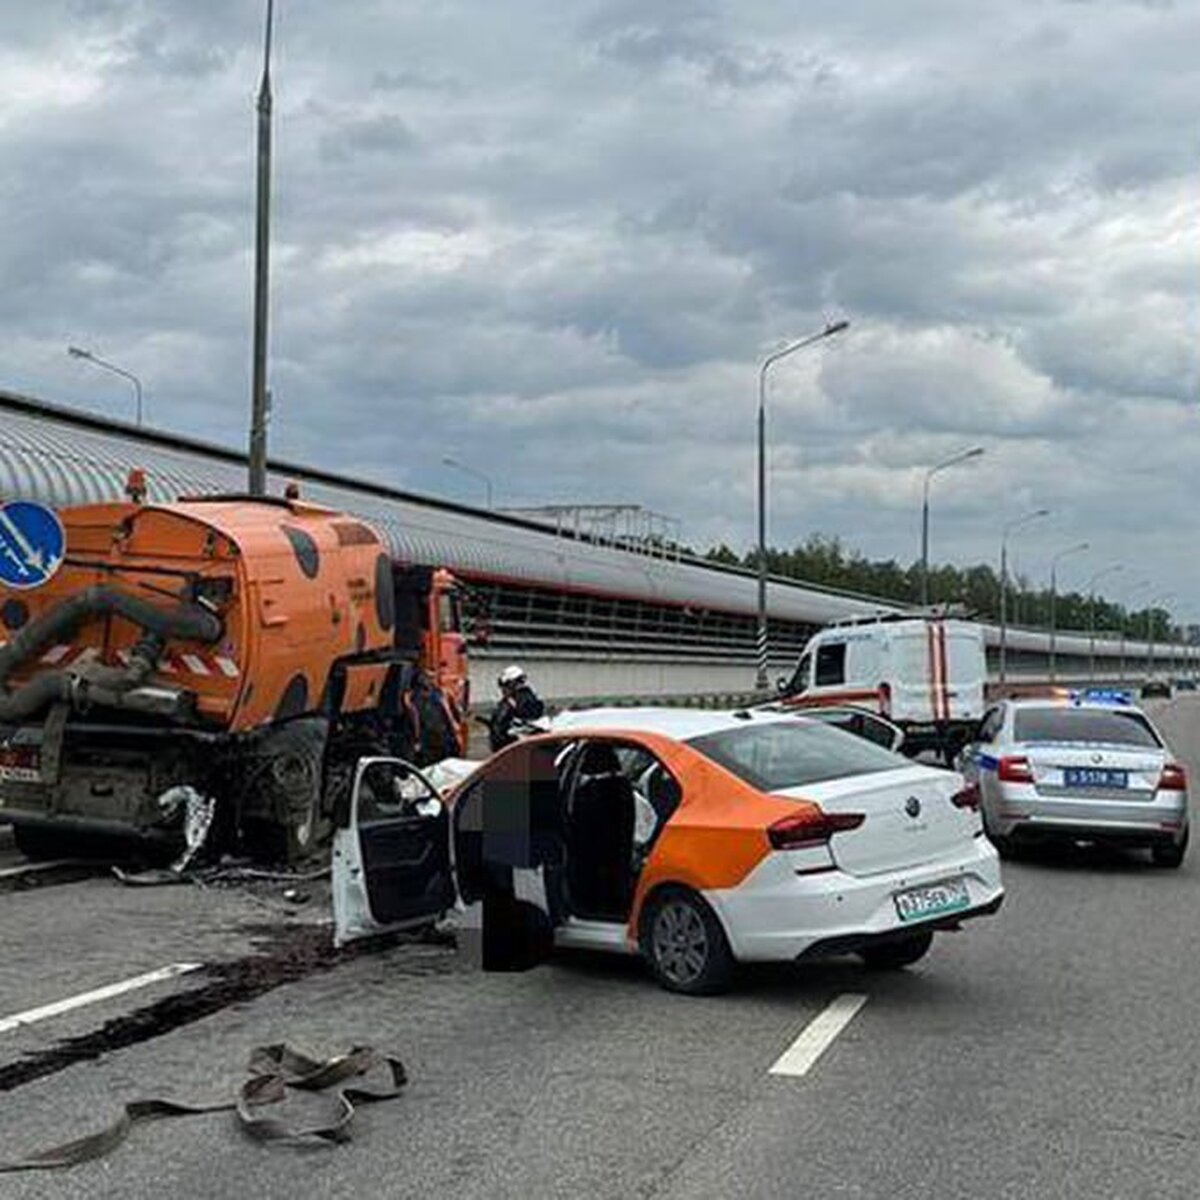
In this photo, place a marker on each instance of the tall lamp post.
(260, 400)
(1125, 598)
(1078, 548)
(1150, 629)
(447, 461)
(1022, 520)
(88, 356)
(953, 461)
(1091, 592)
(760, 678)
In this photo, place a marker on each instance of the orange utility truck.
(243, 649)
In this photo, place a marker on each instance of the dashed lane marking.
(818, 1035)
(32, 1015)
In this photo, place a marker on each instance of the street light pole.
(79, 352)
(1091, 591)
(487, 483)
(1022, 520)
(954, 460)
(1076, 549)
(259, 400)
(760, 678)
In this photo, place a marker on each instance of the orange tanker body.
(243, 650)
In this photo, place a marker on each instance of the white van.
(926, 674)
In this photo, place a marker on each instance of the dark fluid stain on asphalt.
(288, 954)
(35, 878)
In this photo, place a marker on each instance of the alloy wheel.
(680, 942)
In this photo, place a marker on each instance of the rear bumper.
(778, 915)
(1162, 819)
(853, 943)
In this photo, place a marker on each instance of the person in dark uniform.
(519, 704)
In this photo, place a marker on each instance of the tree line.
(825, 561)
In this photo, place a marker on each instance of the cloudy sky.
(554, 238)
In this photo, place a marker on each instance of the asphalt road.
(1050, 1051)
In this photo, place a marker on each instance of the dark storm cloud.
(555, 240)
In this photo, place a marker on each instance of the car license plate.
(1094, 777)
(932, 900)
(20, 764)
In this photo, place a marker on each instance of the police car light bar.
(1114, 696)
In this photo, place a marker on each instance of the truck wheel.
(283, 843)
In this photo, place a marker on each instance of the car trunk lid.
(909, 818)
(1125, 772)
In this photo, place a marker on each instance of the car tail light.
(968, 797)
(1014, 770)
(1173, 779)
(885, 699)
(811, 827)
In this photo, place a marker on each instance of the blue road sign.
(32, 544)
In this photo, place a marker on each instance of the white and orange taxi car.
(696, 839)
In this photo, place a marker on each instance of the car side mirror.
(781, 685)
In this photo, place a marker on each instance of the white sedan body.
(918, 858)
(1085, 770)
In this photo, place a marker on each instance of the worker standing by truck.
(519, 704)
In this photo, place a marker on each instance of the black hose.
(52, 688)
(189, 622)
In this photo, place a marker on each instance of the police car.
(1079, 766)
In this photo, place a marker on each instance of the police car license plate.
(1094, 777)
(932, 900)
(20, 764)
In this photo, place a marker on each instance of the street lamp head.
(835, 327)
(447, 461)
(78, 352)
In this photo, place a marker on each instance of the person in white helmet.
(519, 703)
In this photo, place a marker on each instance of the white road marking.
(818, 1035)
(94, 997)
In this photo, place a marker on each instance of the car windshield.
(786, 754)
(1111, 726)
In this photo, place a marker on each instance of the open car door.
(393, 868)
(391, 853)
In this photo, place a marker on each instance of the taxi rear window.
(1112, 727)
(786, 754)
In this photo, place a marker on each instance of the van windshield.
(785, 754)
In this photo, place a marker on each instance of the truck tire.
(286, 823)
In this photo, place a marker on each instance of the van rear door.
(966, 671)
(910, 663)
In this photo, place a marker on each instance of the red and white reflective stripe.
(202, 665)
(939, 700)
(64, 654)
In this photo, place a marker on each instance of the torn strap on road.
(273, 1069)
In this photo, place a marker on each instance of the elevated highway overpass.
(588, 619)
